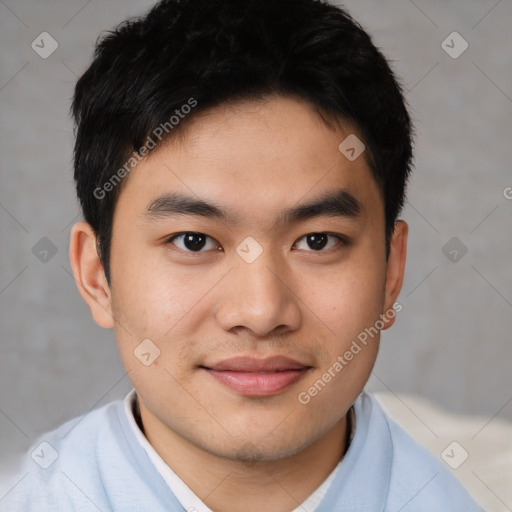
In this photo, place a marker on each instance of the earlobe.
(89, 274)
(395, 271)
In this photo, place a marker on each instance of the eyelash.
(342, 241)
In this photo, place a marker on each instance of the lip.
(254, 377)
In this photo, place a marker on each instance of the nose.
(259, 297)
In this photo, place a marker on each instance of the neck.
(230, 485)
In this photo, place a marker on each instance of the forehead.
(255, 158)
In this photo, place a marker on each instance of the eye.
(320, 241)
(192, 242)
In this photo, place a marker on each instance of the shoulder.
(63, 466)
(93, 462)
(418, 480)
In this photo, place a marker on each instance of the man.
(241, 167)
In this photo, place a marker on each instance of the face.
(251, 299)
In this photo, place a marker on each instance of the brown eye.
(192, 242)
(317, 242)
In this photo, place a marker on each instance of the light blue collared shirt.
(96, 462)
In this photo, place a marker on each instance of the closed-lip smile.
(250, 376)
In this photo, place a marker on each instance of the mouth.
(257, 377)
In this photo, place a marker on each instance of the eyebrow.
(339, 203)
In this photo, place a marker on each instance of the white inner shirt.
(189, 500)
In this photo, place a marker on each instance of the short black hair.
(186, 56)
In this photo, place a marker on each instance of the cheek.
(349, 300)
(349, 310)
(164, 305)
(149, 295)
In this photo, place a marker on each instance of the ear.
(395, 270)
(89, 274)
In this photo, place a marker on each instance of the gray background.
(451, 343)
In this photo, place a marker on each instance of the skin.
(255, 159)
